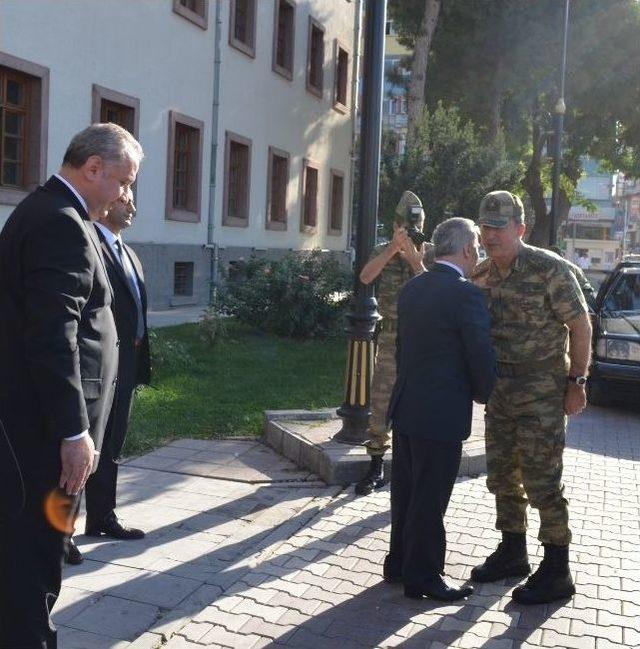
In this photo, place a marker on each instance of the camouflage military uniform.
(388, 285)
(525, 420)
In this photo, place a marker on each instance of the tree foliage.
(449, 166)
(498, 61)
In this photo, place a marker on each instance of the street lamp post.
(363, 314)
(559, 111)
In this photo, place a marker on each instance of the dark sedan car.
(615, 370)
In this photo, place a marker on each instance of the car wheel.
(597, 392)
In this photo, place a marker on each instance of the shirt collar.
(108, 235)
(74, 190)
(451, 265)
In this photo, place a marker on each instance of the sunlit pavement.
(244, 550)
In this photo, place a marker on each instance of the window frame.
(249, 50)
(235, 221)
(173, 213)
(307, 164)
(37, 129)
(197, 18)
(333, 174)
(100, 94)
(188, 265)
(314, 90)
(278, 69)
(271, 224)
(338, 105)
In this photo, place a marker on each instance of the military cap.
(498, 208)
(407, 202)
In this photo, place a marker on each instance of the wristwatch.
(578, 380)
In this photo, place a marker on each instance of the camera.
(414, 218)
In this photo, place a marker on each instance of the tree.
(426, 13)
(449, 166)
(498, 62)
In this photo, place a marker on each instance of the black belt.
(511, 370)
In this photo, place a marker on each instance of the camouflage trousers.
(384, 376)
(525, 437)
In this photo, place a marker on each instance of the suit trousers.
(422, 478)
(100, 490)
(31, 575)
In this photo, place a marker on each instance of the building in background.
(396, 74)
(592, 237)
(628, 191)
(244, 109)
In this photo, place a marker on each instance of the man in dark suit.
(58, 345)
(130, 312)
(445, 361)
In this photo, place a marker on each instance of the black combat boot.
(374, 478)
(509, 559)
(551, 581)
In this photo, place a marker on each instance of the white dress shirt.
(448, 263)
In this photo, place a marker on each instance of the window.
(111, 106)
(24, 93)
(237, 179)
(336, 202)
(184, 168)
(315, 58)
(341, 85)
(284, 38)
(183, 278)
(242, 27)
(277, 182)
(309, 197)
(197, 11)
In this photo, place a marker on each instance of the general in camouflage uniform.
(390, 266)
(541, 334)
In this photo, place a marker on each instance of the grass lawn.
(208, 391)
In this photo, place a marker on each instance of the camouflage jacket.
(388, 285)
(531, 306)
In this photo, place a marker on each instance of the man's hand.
(575, 399)
(400, 241)
(77, 461)
(414, 256)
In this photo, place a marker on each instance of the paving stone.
(69, 638)
(124, 619)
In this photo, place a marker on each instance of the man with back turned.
(445, 362)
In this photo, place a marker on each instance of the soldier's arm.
(375, 265)
(568, 304)
(579, 354)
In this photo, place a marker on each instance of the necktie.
(133, 287)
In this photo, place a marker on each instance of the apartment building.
(244, 109)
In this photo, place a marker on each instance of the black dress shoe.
(437, 589)
(72, 555)
(114, 529)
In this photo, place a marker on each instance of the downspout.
(355, 107)
(211, 245)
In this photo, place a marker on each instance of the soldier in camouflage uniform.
(541, 333)
(390, 266)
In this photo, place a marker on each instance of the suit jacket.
(57, 333)
(126, 315)
(444, 356)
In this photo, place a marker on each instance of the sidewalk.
(269, 557)
(175, 316)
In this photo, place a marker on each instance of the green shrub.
(298, 296)
(212, 326)
(168, 354)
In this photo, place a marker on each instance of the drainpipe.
(211, 245)
(355, 107)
